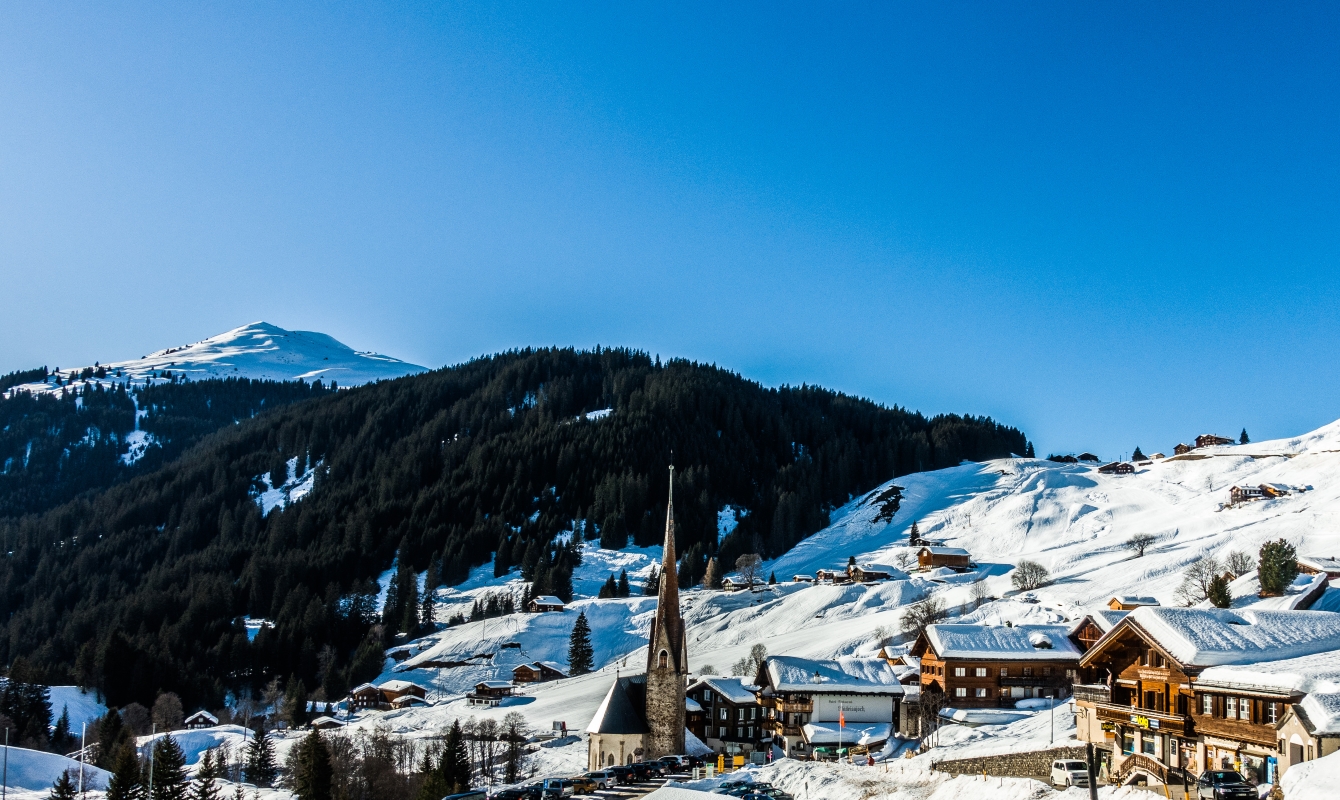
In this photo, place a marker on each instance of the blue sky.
(1109, 224)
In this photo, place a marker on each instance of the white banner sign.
(855, 707)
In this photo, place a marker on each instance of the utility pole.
(4, 779)
(83, 733)
(153, 731)
(1093, 771)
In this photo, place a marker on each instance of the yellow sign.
(721, 763)
(739, 761)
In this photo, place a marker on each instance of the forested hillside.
(141, 587)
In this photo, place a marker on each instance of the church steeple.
(667, 653)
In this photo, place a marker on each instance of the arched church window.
(664, 659)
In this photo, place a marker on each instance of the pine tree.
(1243, 439)
(609, 588)
(513, 755)
(1277, 568)
(169, 770)
(434, 786)
(111, 734)
(1137, 455)
(1029, 452)
(653, 585)
(772, 579)
(624, 589)
(455, 766)
(260, 760)
(210, 770)
(580, 654)
(312, 778)
(125, 781)
(64, 788)
(1217, 592)
(914, 535)
(61, 739)
(409, 602)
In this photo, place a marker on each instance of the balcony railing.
(1093, 692)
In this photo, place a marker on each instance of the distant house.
(490, 693)
(735, 583)
(1245, 494)
(802, 579)
(326, 723)
(1093, 626)
(537, 672)
(1117, 468)
(929, 558)
(1274, 489)
(1130, 602)
(1089, 457)
(832, 576)
(367, 696)
(1158, 455)
(1210, 440)
(1063, 459)
(394, 690)
(1181, 449)
(869, 573)
(201, 719)
(545, 603)
(1313, 565)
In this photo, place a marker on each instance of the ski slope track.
(259, 351)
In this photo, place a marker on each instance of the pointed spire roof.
(669, 592)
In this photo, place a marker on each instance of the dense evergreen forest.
(140, 588)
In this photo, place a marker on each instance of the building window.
(739, 713)
(1207, 705)
(1046, 670)
(1232, 703)
(723, 713)
(1028, 672)
(739, 733)
(721, 733)
(981, 672)
(751, 731)
(1004, 672)
(1245, 709)
(1072, 675)
(707, 695)
(665, 659)
(753, 712)
(981, 693)
(1148, 745)
(960, 672)
(1127, 742)
(1272, 714)
(960, 692)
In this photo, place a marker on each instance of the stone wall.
(1034, 764)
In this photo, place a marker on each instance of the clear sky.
(1110, 224)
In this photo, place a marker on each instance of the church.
(643, 717)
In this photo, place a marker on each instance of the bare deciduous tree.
(1196, 580)
(1030, 575)
(1139, 543)
(748, 565)
(980, 594)
(1239, 563)
(749, 666)
(916, 617)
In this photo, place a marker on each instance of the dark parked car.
(626, 775)
(642, 770)
(512, 794)
(656, 768)
(1224, 784)
(697, 761)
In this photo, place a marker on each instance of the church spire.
(669, 591)
(667, 653)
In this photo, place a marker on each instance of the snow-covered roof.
(396, 686)
(857, 733)
(1207, 637)
(733, 689)
(841, 676)
(618, 712)
(1017, 643)
(1323, 711)
(1105, 618)
(205, 715)
(945, 551)
(1322, 563)
(554, 665)
(692, 705)
(881, 568)
(495, 684)
(363, 687)
(1136, 600)
(547, 600)
(1316, 672)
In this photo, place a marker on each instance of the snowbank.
(35, 770)
(1313, 780)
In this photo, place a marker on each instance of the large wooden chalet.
(995, 665)
(1156, 700)
(729, 717)
(805, 698)
(955, 558)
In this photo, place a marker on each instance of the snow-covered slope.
(260, 351)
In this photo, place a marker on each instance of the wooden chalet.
(1313, 565)
(729, 718)
(537, 672)
(1151, 701)
(490, 693)
(1094, 626)
(976, 666)
(1130, 602)
(1089, 457)
(957, 558)
(870, 573)
(802, 579)
(545, 603)
(200, 720)
(368, 696)
(735, 583)
(394, 690)
(1245, 494)
(832, 576)
(804, 699)
(1117, 468)
(1181, 449)
(1211, 440)
(324, 723)
(1067, 459)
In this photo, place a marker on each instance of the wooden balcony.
(1092, 693)
(1131, 717)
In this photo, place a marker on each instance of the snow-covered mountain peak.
(258, 350)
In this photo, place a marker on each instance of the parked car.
(675, 762)
(653, 767)
(1224, 784)
(583, 785)
(513, 794)
(626, 775)
(474, 794)
(1066, 772)
(697, 761)
(603, 779)
(770, 791)
(559, 787)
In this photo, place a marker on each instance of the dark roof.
(624, 708)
